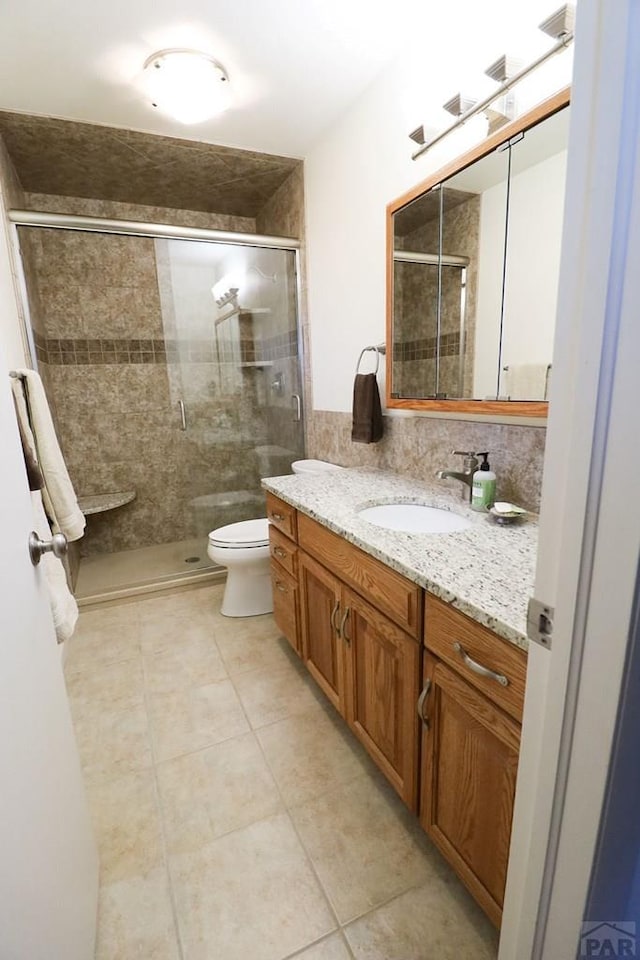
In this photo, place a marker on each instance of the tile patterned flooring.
(237, 817)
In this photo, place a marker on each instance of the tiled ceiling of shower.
(86, 160)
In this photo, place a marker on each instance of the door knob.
(37, 547)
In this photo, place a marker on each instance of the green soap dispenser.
(483, 494)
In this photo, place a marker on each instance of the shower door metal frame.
(158, 231)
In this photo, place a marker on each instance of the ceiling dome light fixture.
(188, 85)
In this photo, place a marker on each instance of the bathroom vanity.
(419, 642)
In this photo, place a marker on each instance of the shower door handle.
(297, 403)
(183, 415)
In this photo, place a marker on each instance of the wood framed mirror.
(473, 258)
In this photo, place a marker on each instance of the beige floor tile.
(436, 921)
(169, 632)
(126, 822)
(119, 684)
(191, 719)
(364, 844)
(182, 602)
(250, 894)
(274, 693)
(190, 663)
(311, 753)
(209, 793)
(333, 948)
(104, 636)
(254, 643)
(135, 920)
(112, 742)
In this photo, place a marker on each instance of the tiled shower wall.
(113, 374)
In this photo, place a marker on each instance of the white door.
(590, 519)
(48, 859)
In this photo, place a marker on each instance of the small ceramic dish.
(507, 513)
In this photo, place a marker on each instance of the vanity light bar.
(556, 25)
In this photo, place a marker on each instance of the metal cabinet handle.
(421, 701)
(37, 547)
(279, 552)
(297, 417)
(333, 617)
(478, 668)
(277, 516)
(343, 623)
(280, 586)
(183, 415)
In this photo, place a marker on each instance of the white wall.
(364, 161)
(536, 207)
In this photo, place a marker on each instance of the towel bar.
(380, 349)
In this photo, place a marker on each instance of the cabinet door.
(285, 605)
(383, 676)
(322, 649)
(470, 759)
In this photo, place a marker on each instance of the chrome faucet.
(471, 464)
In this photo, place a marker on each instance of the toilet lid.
(247, 533)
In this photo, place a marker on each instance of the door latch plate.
(540, 622)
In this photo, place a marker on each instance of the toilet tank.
(314, 466)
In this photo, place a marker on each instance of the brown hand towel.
(368, 425)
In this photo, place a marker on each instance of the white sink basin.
(414, 518)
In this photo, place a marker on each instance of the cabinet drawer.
(283, 551)
(285, 604)
(389, 592)
(282, 515)
(445, 627)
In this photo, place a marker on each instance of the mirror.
(474, 258)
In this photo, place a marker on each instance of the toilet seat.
(242, 535)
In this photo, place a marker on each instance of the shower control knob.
(37, 547)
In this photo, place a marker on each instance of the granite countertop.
(486, 571)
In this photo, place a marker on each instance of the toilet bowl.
(243, 548)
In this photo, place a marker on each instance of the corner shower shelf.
(101, 502)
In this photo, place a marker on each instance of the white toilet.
(314, 466)
(243, 548)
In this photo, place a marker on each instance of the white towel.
(63, 605)
(527, 381)
(59, 496)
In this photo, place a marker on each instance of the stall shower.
(173, 369)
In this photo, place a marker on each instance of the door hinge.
(540, 622)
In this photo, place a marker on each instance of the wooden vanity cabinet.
(470, 746)
(366, 664)
(363, 631)
(382, 685)
(322, 646)
(284, 570)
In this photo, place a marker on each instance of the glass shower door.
(231, 339)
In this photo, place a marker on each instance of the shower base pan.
(128, 573)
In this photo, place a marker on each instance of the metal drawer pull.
(343, 624)
(281, 587)
(333, 617)
(421, 701)
(478, 668)
(278, 516)
(279, 552)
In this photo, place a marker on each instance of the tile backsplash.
(419, 446)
